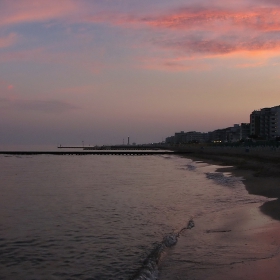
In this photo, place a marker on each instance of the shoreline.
(261, 172)
(241, 242)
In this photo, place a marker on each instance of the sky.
(98, 71)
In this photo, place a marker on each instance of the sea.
(114, 217)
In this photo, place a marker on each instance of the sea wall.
(268, 152)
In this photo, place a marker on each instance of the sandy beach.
(244, 242)
(259, 168)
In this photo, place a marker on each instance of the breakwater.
(95, 152)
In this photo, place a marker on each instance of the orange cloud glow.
(193, 29)
(209, 31)
(266, 19)
(223, 33)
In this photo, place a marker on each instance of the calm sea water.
(103, 217)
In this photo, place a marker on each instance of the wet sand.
(260, 169)
(237, 244)
(240, 243)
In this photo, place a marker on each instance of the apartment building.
(274, 125)
(245, 131)
(255, 123)
(187, 137)
(226, 135)
(265, 123)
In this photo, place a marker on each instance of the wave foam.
(220, 178)
(150, 270)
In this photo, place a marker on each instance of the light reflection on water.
(98, 217)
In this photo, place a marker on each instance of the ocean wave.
(150, 269)
(191, 167)
(221, 179)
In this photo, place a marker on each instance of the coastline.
(239, 243)
(260, 170)
(252, 229)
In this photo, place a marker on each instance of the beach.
(104, 217)
(49, 203)
(259, 167)
(251, 231)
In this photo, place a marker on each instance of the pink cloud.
(13, 11)
(225, 31)
(209, 31)
(264, 19)
(193, 30)
(199, 18)
(207, 47)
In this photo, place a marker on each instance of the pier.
(95, 152)
(117, 147)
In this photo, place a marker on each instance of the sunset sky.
(99, 71)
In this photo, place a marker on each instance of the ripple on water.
(97, 217)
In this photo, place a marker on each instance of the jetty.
(118, 150)
(95, 152)
(143, 147)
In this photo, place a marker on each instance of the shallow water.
(101, 217)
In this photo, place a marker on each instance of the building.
(265, 123)
(233, 133)
(179, 137)
(275, 122)
(255, 123)
(225, 135)
(218, 135)
(170, 140)
(187, 137)
(245, 131)
(194, 137)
